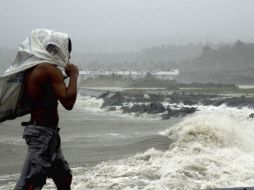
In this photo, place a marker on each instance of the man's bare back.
(44, 86)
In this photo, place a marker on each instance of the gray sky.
(128, 25)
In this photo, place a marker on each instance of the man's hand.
(71, 70)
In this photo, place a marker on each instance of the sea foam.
(211, 148)
(89, 103)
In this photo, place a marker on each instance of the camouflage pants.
(44, 159)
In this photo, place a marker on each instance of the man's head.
(40, 46)
(53, 49)
(69, 45)
(56, 43)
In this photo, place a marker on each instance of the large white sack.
(31, 52)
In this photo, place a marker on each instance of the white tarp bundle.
(31, 52)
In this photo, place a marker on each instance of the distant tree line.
(164, 57)
(225, 64)
(218, 63)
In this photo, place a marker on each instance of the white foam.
(89, 103)
(92, 104)
(211, 148)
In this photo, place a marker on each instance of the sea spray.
(89, 103)
(211, 148)
(93, 104)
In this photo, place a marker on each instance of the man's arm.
(66, 95)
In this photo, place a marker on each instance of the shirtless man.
(44, 86)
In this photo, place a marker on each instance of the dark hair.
(69, 45)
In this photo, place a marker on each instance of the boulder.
(146, 96)
(165, 116)
(155, 107)
(189, 102)
(178, 113)
(112, 99)
(219, 102)
(240, 101)
(251, 115)
(125, 109)
(188, 110)
(103, 95)
(152, 108)
(136, 108)
(111, 108)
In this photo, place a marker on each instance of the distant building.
(164, 75)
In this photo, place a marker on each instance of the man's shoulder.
(46, 70)
(47, 66)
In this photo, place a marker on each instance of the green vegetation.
(169, 85)
(203, 63)
(149, 81)
(225, 63)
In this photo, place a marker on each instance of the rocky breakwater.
(111, 99)
(176, 104)
(143, 103)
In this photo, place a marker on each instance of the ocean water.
(214, 147)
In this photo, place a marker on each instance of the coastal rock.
(125, 109)
(192, 99)
(219, 102)
(156, 97)
(103, 95)
(251, 115)
(152, 108)
(111, 99)
(141, 98)
(188, 110)
(178, 113)
(189, 102)
(137, 108)
(155, 107)
(165, 116)
(235, 102)
(146, 96)
(240, 102)
(111, 108)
